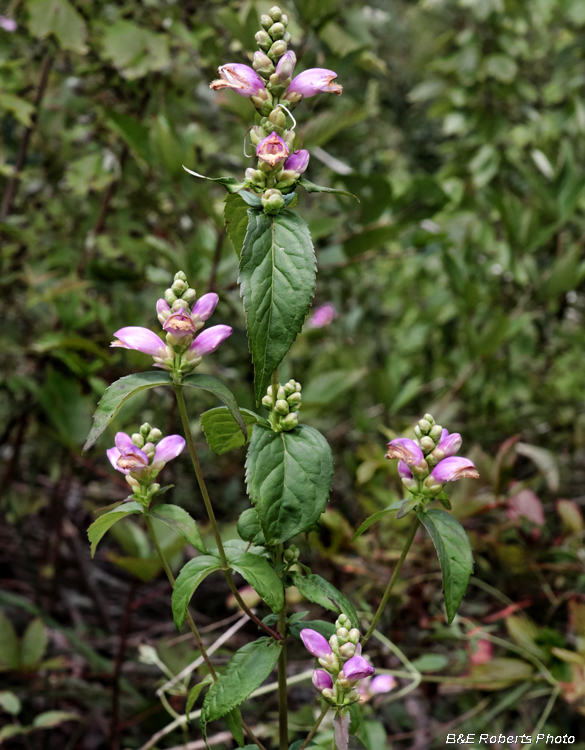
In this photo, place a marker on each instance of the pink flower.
(315, 643)
(406, 450)
(180, 324)
(210, 340)
(298, 162)
(357, 668)
(205, 306)
(323, 315)
(272, 149)
(526, 504)
(382, 683)
(453, 468)
(311, 82)
(286, 65)
(322, 680)
(240, 78)
(404, 471)
(141, 339)
(8, 24)
(449, 445)
(127, 457)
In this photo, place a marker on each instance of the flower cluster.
(428, 462)
(181, 315)
(274, 92)
(141, 457)
(284, 410)
(343, 665)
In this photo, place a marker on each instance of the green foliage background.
(458, 279)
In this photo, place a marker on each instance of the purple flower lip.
(132, 459)
(448, 446)
(453, 468)
(357, 668)
(272, 149)
(205, 306)
(140, 339)
(313, 81)
(406, 450)
(180, 324)
(240, 78)
(322, 680)
(298, 161)
(404, 471)
(208, 341)
(168, 448)
(315, 643)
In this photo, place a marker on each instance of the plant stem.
(171, 578)
(252, 736)
(316, 726)
(211, 515)
(395, 574)
(282, 691)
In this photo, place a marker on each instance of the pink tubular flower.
(272, 149)
(311, 82)
(205, 306)
(240, 78)
(168, 448)
(404, 471)
(286, 65)
(453, 468)
(406, 450)
(180, 324)
(382, 683)
(357, 668)
(322, 680)
(323, 316)
(297, 162)
(141, 339)
(315, 643)
(209, 340)
(127, 457)
(8, 24)
(449, 445)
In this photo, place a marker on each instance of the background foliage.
(458, 286)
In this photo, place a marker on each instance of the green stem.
(171, 578)
(282, 691)
(316, 726)
(211, 515)
(252, 736)
(395, 574)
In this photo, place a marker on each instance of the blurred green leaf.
(34, 644)
(60, 18)
(100, 526)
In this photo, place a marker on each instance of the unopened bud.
(189, 296)
(137, 440)
(429, 418)
(275, 13)
(347, 650)
(145, 429)
(344, 683)
(256, 177)
(155, 435)
(282, 407)
(343, 633)
(179, 304)
(427, 443)
(425, 426)
(277, 49)
(269, 391)
(272, 201)
(334, 643)
(288, 556)
(354, 636)
(170, 296)
(327, 693)
(436, 432)
(353, 696)
(290, 421)
(281, 392)
(266, 21)
(276, 31)
(277, 116)
(284, 19)
(294, 399)
(342, 621)
(179, 286)
(267, 401)
(263, 40)
(180, 276)
(417, 431)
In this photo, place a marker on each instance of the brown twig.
(10, 191)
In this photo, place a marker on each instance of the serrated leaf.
(249, 527)
(195, 692)
(34, 643)
(178, 519)
(53, 719)
(246, 671)
(60, 18)
(235, 214)
(319, 591)
(288, 478)
(215, 386)
(116, 395)
(259, 574)
(376, 517)
(277, 282)
(310, 187)
(454, 553)
(187, 581)
(221, 430)
(100, 526)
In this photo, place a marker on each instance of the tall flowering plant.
(289, 465)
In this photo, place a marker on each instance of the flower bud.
(255, 177)
(436, 432)
(276, 31)
(281, 393)
(290, 421)
(277, 117)
(354, 636)
(353, 696)
(417, 431)
(189, 296)
(137, 439)
(427, 443)
(289, 556)
(425, 426)
(262, 64)
(263, 40)
(343, 633)
(145, 429)
(429, 418)
(327, 693)
(179, 286)
(170, 296)
(342, 621)
(269, 391)
(315, 643)
(294, 399)
(347, 650)
(272, 201)
(343, 682)
(266, 21)
(322, 680)
(330, 663)
(155, 435)
(282, 407)
(267, 401)
(284, 19)
(334, 643)
(275, 13)
(277, 50)
(357, 668)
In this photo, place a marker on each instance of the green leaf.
(249, 527)
(376, 517)
(10, 703)
(20, 108)
(215, 386)
(195, 692)
(132, 132)
(179, 520)
(60, 18)
(277, 281)
(327, 629)
(133, 50)
(246, 671)
(117, 394)
(288, 477)
(221, 430)
(319, 591)
(99, 527)
(187, 581)
(310, 187)
(252, 199)
(233, 720)
(34, 644)
(455, 555)
(12, 730)
(406, 506)
(355, 713)
(9, 646)
(354, 743)
(228, 182)
(235, 214)
(430, 662)
(260, 575)
(53, 718)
